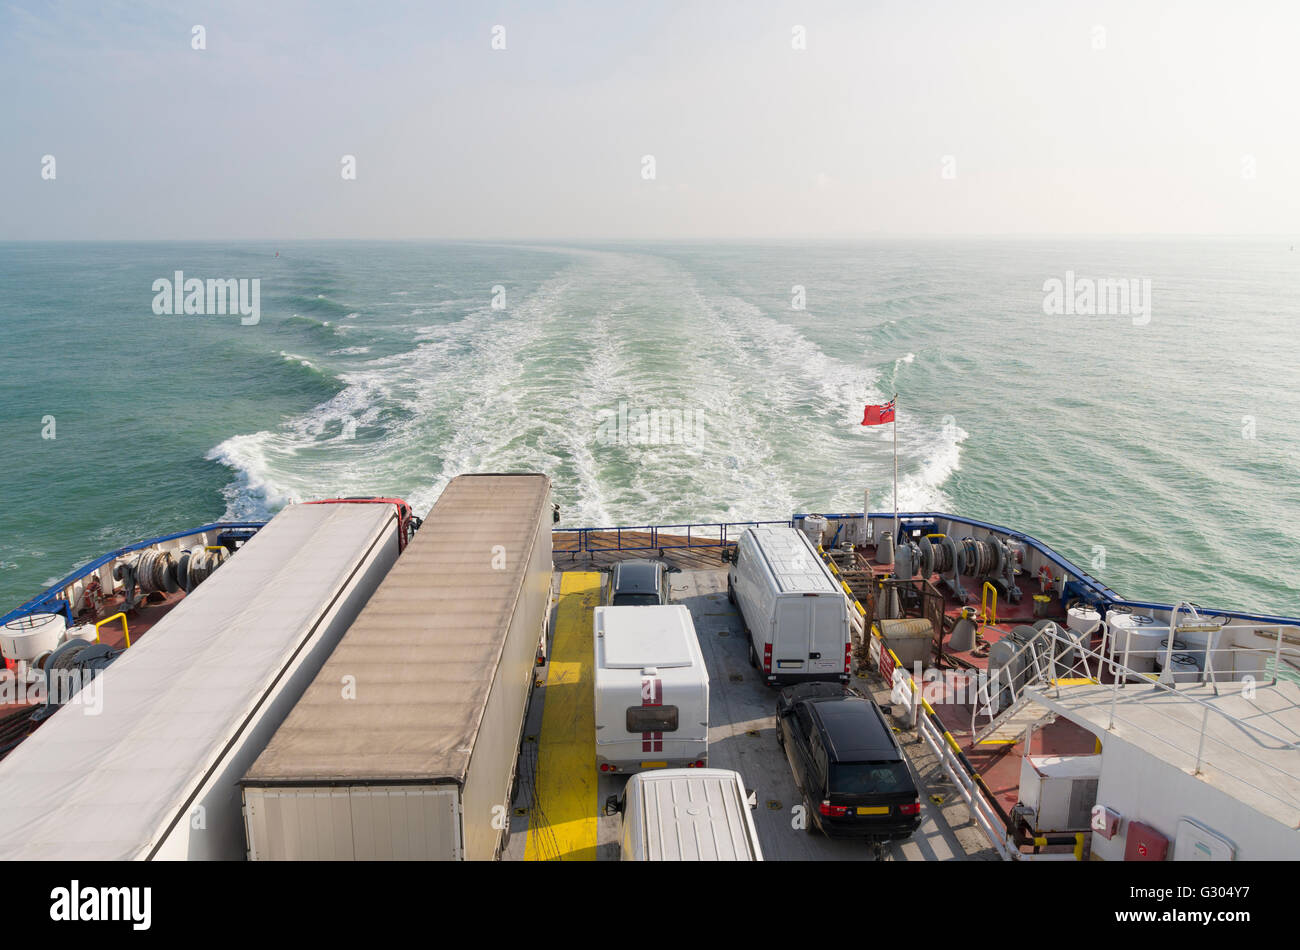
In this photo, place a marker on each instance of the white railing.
(1049, 662)
(981, 812)
(1121, 674)
(1051, 655)
(1211, 669)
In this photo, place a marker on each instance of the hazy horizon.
(768, 121)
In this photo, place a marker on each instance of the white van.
(687, 815)
(796, 615)
(652, 690)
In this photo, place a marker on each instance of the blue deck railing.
(50, 600)
(665, 536)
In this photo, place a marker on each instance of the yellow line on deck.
(562, 824)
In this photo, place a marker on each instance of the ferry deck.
(557, 813)
(967, 768)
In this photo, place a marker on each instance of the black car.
(847, 763)
(638, 583)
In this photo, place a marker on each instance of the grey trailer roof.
(109, 786)
(793, 561)
(423, 652)
(695, 815)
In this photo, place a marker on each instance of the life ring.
(1045, 578)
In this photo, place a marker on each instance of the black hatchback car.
(847, 763)
(637, 583)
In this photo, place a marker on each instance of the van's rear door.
(791, 635)
(810, 635)
(829, 633)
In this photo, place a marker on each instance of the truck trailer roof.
(421, 658)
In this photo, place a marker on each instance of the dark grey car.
(638, 583)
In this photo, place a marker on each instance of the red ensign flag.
(878, 415)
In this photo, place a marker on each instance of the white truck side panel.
(496, 749)
(427, 759)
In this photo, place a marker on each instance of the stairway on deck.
(1008, 726)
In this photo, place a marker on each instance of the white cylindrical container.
(1137, 639)
(26, 638)
(1082, 620)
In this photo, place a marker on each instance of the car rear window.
(635, 600)
(870, 778)
(652, 719)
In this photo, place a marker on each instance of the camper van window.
(652, 719)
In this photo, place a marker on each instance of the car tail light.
(767, 658)
(848, 655)
(833, 811)
(912, 808)
(604, 767)
(697, 764)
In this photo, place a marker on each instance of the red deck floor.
(139, 621)
(998, 765)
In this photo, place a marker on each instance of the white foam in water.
(529, 386)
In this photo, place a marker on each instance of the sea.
(1132, 402)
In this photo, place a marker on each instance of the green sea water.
(1160, 450)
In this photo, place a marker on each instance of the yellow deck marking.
(562, 826)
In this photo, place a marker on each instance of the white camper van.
(687, 815)
(652, 690)
(796, 615)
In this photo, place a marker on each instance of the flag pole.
(895, 425)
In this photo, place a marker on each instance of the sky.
(765, 120)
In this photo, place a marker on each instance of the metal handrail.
(1276, 652)
(1041, 679)
(1045, 670)
(657, 532)
(978, 807)
(1120, 674)
(126, 631)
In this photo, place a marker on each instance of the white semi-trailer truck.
(154, 772)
